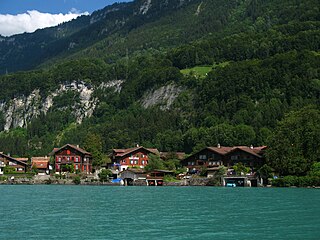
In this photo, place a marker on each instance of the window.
(143, 162)
(85, 159)
(77, 167)
(234, 157)
(123, 161)
(202, 157)
(68, 158)
(85, 167)
(77, 159)
(135, 161)
(131, 162)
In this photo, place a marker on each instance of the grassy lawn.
(201, 71)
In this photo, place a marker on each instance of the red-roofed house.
(72, 155)
(131, 157)
(41, 164)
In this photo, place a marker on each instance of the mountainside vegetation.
(249, 71)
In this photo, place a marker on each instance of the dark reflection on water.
(83, 212)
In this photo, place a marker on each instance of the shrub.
(289, 181)
(77, 180)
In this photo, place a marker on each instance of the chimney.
(77, 146)
(219, 146)
(251, 146)
(137, 145)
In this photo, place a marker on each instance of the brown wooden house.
(214, 157)
(137, 157)
(6, 160)
(72, 155)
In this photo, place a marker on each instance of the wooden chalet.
(6, 160)
(137, 157)
(214, 157)
(41, 164)
(72, 155)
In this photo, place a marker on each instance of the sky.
(19, 16)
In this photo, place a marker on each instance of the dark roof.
(179, 155)
(55, 150)
(124, 152)
(13, 159)
(256, 151)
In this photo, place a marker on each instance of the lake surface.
(102, 212)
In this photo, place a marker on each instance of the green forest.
(249, 70)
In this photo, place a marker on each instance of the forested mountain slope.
(176, 75)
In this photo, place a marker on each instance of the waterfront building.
(73, 155)
(214, 157)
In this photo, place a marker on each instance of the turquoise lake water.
(100, 212)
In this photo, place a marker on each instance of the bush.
(289, 181)
(169, 178)
(3, 178)
(77, 180)
(104, 175)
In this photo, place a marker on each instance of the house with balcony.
(211, 158)
(73, 155)
(6, 160)
(137, 157)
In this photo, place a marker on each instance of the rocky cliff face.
(163, 96)
(18, 112)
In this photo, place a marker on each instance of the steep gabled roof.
(124, 152)
(256, 151)
(220, 150)
(55, 150)
(246, 149)
(11, 159)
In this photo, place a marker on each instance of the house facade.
(6, 160)
(137, 157)
(214, 157)
(41, 164)
(73, 155)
